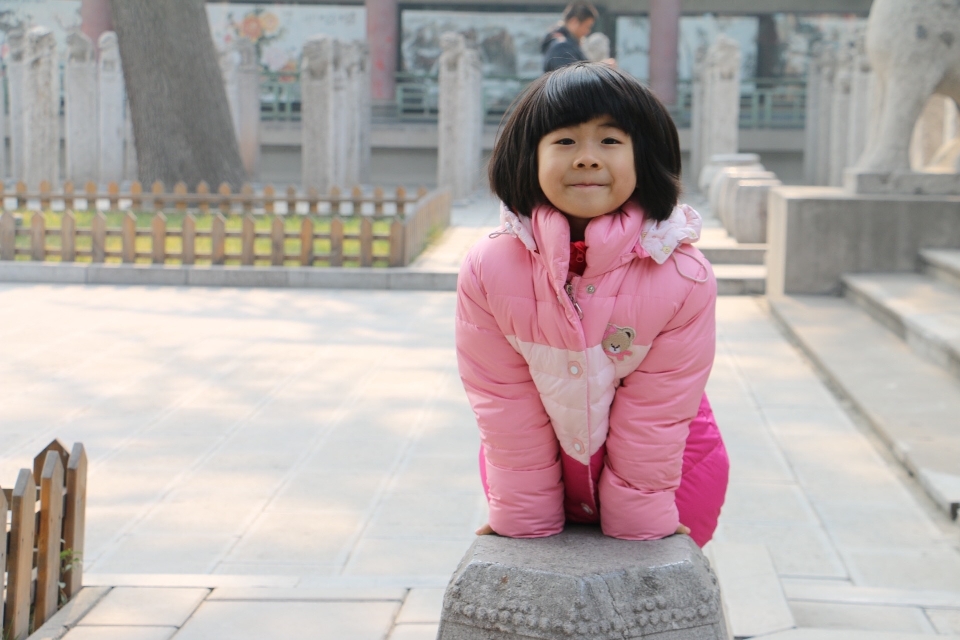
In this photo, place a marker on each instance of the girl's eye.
(565, 141)
(610, 141)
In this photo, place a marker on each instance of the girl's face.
(587, 170)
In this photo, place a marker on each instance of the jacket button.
(586, 508)
(591, 288)
(577, 446)
(575, 369)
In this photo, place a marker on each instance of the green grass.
(204, 223)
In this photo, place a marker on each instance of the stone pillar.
(840, 113)
(81, 115)
(860, 117)
(383, 35)
(697, 161)
(241, 77)
(130, 168)
(41, 101)
(356, 112)
(364, 111)
(824, 106)
(811, 132)
(112, 104)
(317, 112)
(17, 42)
(664, 38)
(719, 115)
(461, 116)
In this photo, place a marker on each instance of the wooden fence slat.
(291, 199)
(396, 243)
(313, 200)
(113, 195)
(136, 195)
(21, 195)
(90, 191)
(269, 193)
(157, 190)
(16, 616)
(129, 238)
(366, 241)
(8, 236)
(68, 199)
(4, 507)
(246, 193)
(41, 458)
(334, 197)
(45, 190)
(68, 237)
(218, 239)
(378, 201)
(421, 192)
(356, 195)
(277, 241)
(203, 189)
(98, 237)
(188, 254)
(248, 236)
(74, 519)
(180, 189)
(336, 242)
(48, 542)
(158, 238)
(306, 242)
(224, 192)
(401, 201)
(38, 236)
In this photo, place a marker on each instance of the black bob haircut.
(573, 95)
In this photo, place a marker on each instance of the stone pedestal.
(720, 160)
(862, 119)
(112, 107)
(718, 113)
(80, 109)
(460, 122)
(241, 77)
(827, 64)
(840, 113)
(582, 584)
(41, 107)
(748, 217)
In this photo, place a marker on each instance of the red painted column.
(95, 18)
(664, 41)
(383, 35)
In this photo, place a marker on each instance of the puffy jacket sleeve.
(650, 419)
(524, 488)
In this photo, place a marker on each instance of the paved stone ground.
(279, 464)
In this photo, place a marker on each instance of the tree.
(178, 104)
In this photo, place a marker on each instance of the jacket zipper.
(570, 294)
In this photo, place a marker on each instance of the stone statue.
(914, 48)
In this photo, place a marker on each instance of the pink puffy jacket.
(589, 396)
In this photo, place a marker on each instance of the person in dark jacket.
(562, 45)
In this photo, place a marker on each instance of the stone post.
(461, 116)
(356, 112)
(112, 105)
(130, 168)
(664, 38)
(824, 106)
(15, 95)
(80, 106)
(840, 113)
(364, 109)
(811, 153)
(383, 34)
(241, 77)
(860, 118)
(41, 101)
(719, 114)
(697, 161)
(317, 112)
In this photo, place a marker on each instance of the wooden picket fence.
(45, 534)
(245, 228)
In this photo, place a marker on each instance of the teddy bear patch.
(617, 340)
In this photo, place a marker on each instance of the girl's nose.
(587, 160)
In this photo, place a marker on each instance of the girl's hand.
(683, 529)
(485, 530)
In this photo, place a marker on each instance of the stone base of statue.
(918, 183)
(581, 584)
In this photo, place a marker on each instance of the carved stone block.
(581, 584)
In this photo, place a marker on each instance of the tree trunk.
(178, 104)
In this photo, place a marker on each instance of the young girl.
(585, 324)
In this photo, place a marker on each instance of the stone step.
(921, 310)
(942, 264)
(740, 279)
(911, 403)
(739, 254)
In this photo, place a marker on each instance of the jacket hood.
(612, 239)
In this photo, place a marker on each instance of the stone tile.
(861, 617)
(945, 620)
(750, 588)
(436, 514)
(416, 631)
(70, 614)
(318, 620)
(316, 489)
(147, 553)
(758, 463)
(292, 569)
(130, 606)
(886, 525)
(188, 580)
(321, 537)
(796, 549)
(769, 503)
(422, 556)
(120, 633)
(422, 606)
(930, 568)
(339, 594)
